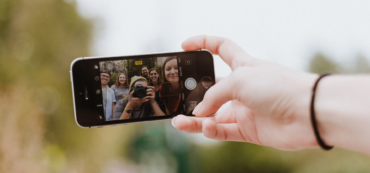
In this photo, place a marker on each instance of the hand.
(135, 102)
(150, 94)
(269, 103)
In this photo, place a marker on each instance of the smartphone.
(139, 88)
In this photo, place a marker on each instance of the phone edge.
(73, 92)
(117, 56)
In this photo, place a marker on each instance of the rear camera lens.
(206, 82)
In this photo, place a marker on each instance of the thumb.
(216, 96)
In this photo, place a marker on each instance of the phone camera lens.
(96, 78)
(206, 82)
(98, 91)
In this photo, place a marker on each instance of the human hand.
(269, 103)
(135, 101)
(150, 95)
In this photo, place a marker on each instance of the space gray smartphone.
(129, 89)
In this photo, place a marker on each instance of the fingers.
(131, 94)
(150, 88)
(194, 124)
(222, 132)
(149, 92)
(138, 101)
(147, 98)
(218, 79)
(215, 97)
(188, 124)
(226, 116)
(209, 127)
(230, 52)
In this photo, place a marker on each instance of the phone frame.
(108, 58)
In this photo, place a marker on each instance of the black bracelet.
(313, 119)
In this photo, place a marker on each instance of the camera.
(139, 91)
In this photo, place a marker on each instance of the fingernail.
(173, 122)
(197, 108)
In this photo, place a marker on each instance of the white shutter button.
(190, 83)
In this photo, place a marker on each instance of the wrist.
(129, 105)
(341, 111)
(301, 105)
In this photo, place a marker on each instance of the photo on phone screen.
(120, 78)
(113, 90)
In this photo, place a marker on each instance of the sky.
(287, 32)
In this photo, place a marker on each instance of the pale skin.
(154, 77)
(105, 78)
(121, 81)
(144, 71)
(270, 104)
(136, 103)
(171, 73)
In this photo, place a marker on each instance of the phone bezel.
(207, 58)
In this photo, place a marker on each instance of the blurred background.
(40, 38)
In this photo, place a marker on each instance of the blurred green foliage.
(38, 41)
(320, 63)
(241, 157)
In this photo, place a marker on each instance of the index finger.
(229, 51)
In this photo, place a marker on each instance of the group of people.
(162, 96)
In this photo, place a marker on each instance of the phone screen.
(163, 86)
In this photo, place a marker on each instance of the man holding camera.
(139, 104)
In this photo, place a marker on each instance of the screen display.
(141, 88)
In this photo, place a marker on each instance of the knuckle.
(224, 136)
(195, 125)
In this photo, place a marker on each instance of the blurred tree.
(361, 65)
(38, 41)
(321, 64)
(240, 157)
